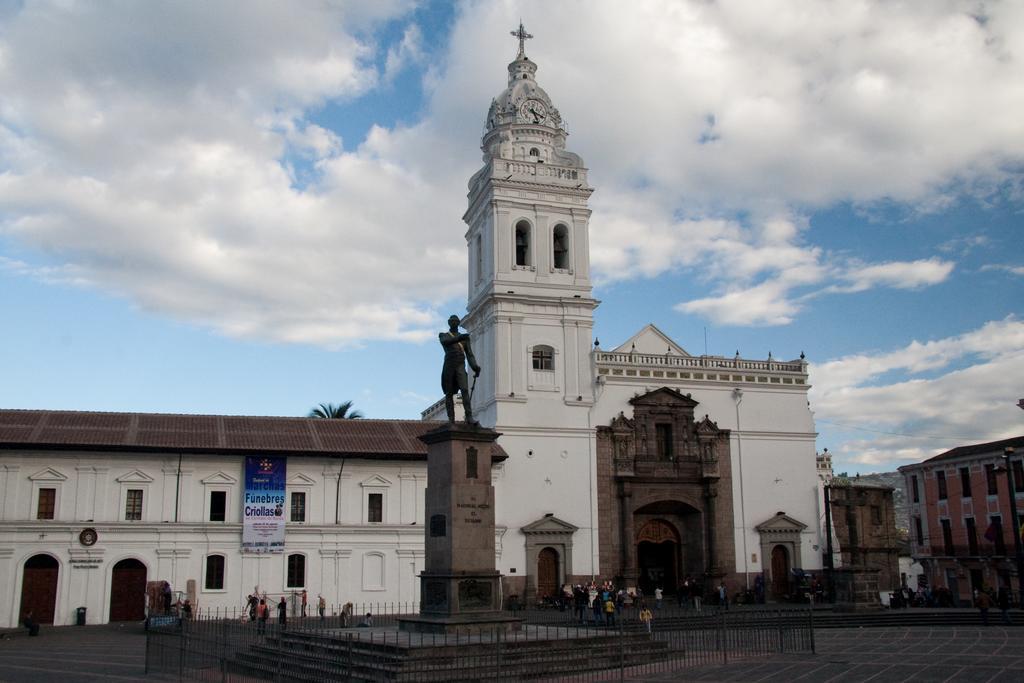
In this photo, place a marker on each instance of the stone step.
(306, 657)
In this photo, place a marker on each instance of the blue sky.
(251, 208)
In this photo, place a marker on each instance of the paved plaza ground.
(880, 655)
(887, 655)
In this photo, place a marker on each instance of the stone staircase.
(314, 656)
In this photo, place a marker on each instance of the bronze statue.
(453, 375)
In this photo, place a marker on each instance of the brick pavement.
(993, 654)
(66, 654)
(976, 654)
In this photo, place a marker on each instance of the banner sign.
(263, 505)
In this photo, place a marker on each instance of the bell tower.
(530, 305)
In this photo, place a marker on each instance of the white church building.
(642, 463)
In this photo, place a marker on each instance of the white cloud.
(147, 146)
(968, 394)
(409, 51)
(900, 275)
(1013, 270)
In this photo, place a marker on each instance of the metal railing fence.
(221, 648)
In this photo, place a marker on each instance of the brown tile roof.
(223, 434)
(990, 448)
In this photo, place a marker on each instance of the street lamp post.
(1007, 454)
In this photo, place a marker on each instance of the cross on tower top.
(523, 36)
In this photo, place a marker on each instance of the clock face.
(534, 111)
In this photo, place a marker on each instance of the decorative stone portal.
(548, 556)
(459, 586)
(780, 547)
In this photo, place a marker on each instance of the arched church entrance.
(128, 591)
(657, 549)
(780, 571)
(547, 573)
(39, 588)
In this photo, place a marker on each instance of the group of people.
(259, 610)
(602, 604)
(985, 598)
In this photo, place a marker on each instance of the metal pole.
(829, 559)
(1011, 485)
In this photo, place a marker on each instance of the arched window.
(214, 573)
(522, 243)
(561, 247)
(296, 571)
(534, 152)
(543, 358)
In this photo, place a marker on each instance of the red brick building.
(960, 522)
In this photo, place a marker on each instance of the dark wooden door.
(780, 571)
(547, 573)
(128, 591)
(39, 588)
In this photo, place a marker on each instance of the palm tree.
(329, 411)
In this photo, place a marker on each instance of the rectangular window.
(994, 535)
(375, 507)
(913, 488)
(965, 481)
(298, 506)
(990, 479)
(663, 434)
(940, 478)
(543, 359)
(972, 536)
(133, 505)
(296, 571)
(1018, 474)
(947, 538)
(218, 505)
(918, 531)
(214, 572)
(876, 514)
(47, 503)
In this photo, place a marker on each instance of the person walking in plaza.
(321, 606)
(983, 602)
(609, 610)
(646, 616)
(282, 613)
(723, 596)
(252, 604)
(1003, 601)
(305, 601)
(697, 594)
(658, 595)
(262, 613)
(579, 603)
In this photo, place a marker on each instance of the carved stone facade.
(664, 494)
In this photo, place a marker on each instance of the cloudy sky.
(252, 207)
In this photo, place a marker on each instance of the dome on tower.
(522, 123)
(523, 101)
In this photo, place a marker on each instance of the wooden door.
(128, 591)
(547, 573)
(39, 588)
(780, 571)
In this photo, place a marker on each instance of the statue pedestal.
(459, 586)
(856, 589)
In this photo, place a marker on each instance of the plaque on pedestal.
(459, 586)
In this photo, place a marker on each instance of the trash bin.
(80, 616)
